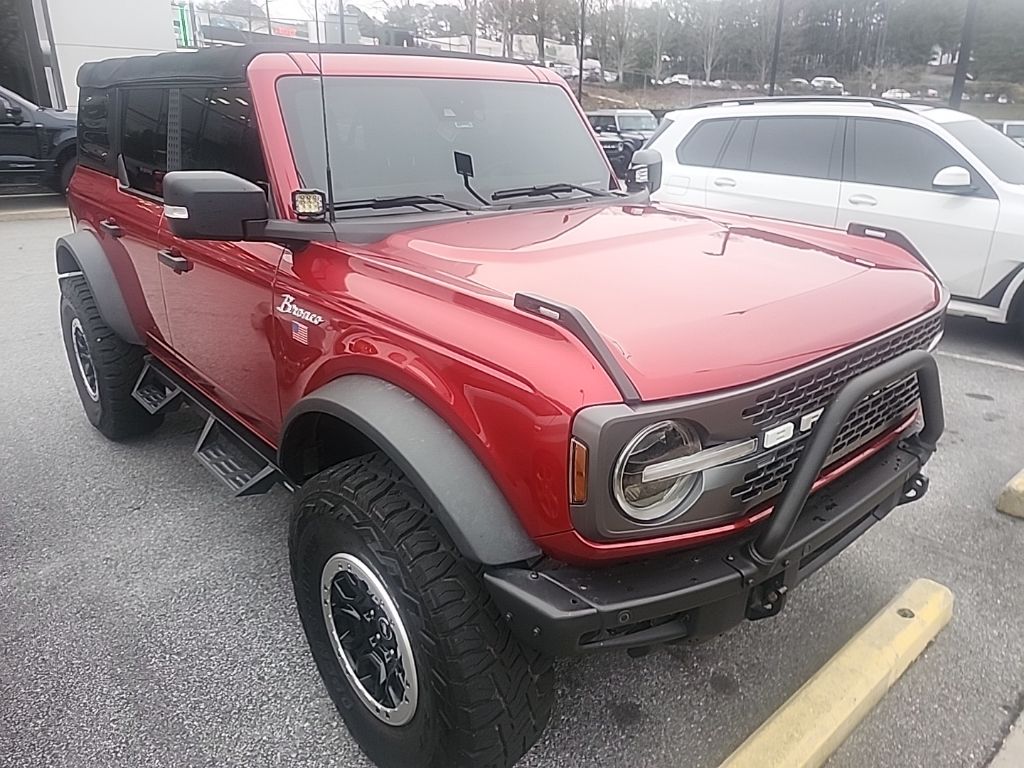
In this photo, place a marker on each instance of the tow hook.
(767, 599)
(916, 487)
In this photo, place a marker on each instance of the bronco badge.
(289, 307)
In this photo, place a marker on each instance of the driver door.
(887, 183)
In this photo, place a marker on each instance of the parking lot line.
(816, 719)
(982, 361)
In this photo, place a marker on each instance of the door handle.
(863, 200)
(111, 227)
(725, 182)
(171, 257)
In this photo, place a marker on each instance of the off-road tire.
(483, 698)
(117, 366)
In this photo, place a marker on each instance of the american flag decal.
(300, 332)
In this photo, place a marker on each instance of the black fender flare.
(436, 460)
(82, 253)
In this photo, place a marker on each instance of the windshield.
(637, 123)
(393, 136)
(1003, 156)
(1015, 130)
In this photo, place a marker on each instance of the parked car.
(828, 85)
(679, 79)
(37, 144)
(940, 177)
(634, 126)
(524, 413)
(897, 94)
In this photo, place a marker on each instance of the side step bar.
(155, 393)
(233, 462)
(223, 447)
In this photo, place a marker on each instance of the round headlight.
(661, 442)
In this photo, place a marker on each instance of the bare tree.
(472, 7)
(710, 31)
(622, 33)
(658, 40)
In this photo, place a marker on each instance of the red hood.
(687, 303)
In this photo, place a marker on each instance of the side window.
(218, 132)
(795, 146)
(737, 152)
(94, 129)
(144, 138)
(703, 144)
(892, 154)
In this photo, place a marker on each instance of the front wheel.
(103, 366)
(410, 646)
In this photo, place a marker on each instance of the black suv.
(37, 145)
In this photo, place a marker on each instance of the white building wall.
(89, 30)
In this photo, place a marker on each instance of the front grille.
(816, 389)
(875, 413)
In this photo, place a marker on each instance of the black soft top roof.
(225, 63)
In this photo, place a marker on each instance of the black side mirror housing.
(644, 171)
(213, 205)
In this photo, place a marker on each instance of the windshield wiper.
(546, 189)
(401, 201)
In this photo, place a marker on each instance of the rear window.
(795, 146)
(737, 152)
(94, 129)
(1003, 156)
(144, 138)
(703, 144)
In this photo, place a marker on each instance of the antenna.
(323, 106)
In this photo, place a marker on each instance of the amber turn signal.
(578, 457)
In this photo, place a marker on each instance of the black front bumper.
(703, 592)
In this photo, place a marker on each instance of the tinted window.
(218, 132)
(893, 154)
(702, 145)
(144, 138)
(602, 121)
(794, 146)
(94, 129)
(1003, 156)
(737, 151)
(399, 136)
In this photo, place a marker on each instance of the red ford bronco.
(523, 412)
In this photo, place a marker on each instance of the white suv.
(949, 183)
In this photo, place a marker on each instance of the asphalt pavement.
(146, 617)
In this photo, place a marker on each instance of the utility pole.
(778, 46)
(341, 21)
(963, 60)
(579, 84)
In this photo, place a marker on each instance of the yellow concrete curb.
(809, 727)
(1011, 500)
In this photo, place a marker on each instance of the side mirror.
(644, 171)
(954, 179)
(11, 115)
(212, 205)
